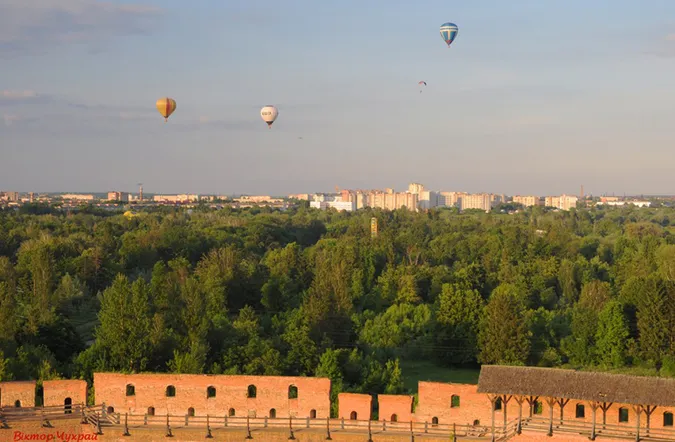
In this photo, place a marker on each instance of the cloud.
(35, 26)
(670, 37)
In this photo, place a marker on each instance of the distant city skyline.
(331, 191)
(531, 98)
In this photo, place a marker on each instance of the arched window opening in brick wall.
(498, 404)
(434, 421)
(394, 418)
(580, 411)
(151, 411)
(623, 415)
(538, 407)
(312, 414)
(231, 413)
(67, 406)
(353, 415)
(170, 391)
(273, 413)
(191, 411)
(17, 404)
(111, 410)
(252, 391)
(131, 390)
(476, 423)
(292, 392)
(454, 401)
(211, 392)
(667, 419)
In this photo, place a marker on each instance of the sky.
(533, 97)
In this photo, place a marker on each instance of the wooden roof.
(580, 385)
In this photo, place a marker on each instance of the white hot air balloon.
(269, 113)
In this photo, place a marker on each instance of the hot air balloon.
(166, 106)
(449, 32)
(422, 83)
(269, 113)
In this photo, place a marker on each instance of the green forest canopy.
(307, 292)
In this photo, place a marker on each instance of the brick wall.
(56, 392)
(22, 391)
(435, 402)
(349, 403)
(395, 407)
(231, 394)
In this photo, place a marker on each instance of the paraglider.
(269, 113)
(422, 83)
(449, 32)
(166, 106)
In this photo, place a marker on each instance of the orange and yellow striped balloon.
(166, 106)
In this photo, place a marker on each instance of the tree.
(458, 315)
(124, 332)
(504, 337)
(612, 335)
(652, 319)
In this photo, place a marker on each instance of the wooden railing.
(132, 423)
(100, 419)
(45, 414)
(622, 431)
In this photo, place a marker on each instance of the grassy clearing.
(414, 371)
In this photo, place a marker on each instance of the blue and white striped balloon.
(449, 32)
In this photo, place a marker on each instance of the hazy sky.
(533, 96)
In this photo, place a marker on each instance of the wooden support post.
(168, 427)
(649, 409)
(370, 433)
(604, 407)
(454, 432)
(531, 400)
(638, 411)
(519, 425)
(328, 429)
(551, 403)
(45, 421)
(291, 436)
(493, 401)
(208, 428)
(594, 407)
(307, 422)
(505, 403)
(384, 425)
(561, 403)
(342, 423)
(248, 428)
(126, 425)
(412, 433)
